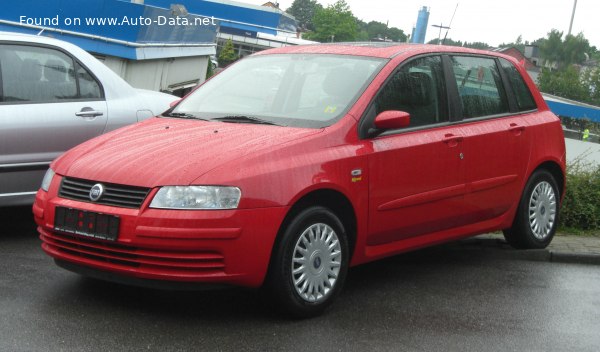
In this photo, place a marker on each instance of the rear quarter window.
(522, 93)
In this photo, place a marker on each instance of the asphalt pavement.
(472, 295)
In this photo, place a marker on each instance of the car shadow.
(400, 273)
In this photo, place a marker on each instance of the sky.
(492, 22)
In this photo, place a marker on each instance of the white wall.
(162, 73)
(159, 74)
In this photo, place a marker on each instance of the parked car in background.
(295, 163)
(53, 96)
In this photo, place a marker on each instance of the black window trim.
(75, 63)
(508, 88)
(454, 106)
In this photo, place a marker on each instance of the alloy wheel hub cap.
(542, 210)
(316, 263)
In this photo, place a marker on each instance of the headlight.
(47, 180)
(196, 197)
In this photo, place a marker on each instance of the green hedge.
(581, 205)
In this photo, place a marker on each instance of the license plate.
(86, 223)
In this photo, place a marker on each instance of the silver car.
(53, 96)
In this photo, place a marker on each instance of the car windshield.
(300, 90)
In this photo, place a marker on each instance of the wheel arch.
(556, 171)
(331, 199)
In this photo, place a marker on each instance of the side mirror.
(173, 103)
(392, 119)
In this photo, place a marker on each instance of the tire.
(309, 263)
(537, 216)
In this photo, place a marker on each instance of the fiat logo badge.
(96, 192)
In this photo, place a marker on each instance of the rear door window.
(479, 86)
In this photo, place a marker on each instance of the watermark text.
(118, 21)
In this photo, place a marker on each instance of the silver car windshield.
(300, 90)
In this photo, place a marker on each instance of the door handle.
(452, 140)
(88, 112)
(516, 129)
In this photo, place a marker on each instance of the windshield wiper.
(245, 119)
(183, 115)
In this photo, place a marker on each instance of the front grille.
(184, 263)
(115, 195)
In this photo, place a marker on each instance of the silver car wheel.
(316, 262)
(542, 210)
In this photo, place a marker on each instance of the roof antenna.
(450, 25)
(42, 31)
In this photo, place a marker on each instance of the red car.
(296, 163)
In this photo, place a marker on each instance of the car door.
(495, 138)
(49, 103)
(416, 182)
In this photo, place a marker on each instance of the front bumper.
(212, 247)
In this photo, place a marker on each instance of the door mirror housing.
(392, 119)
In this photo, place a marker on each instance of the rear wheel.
(309, 263)
(537, 216)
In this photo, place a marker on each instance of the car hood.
(165, 151)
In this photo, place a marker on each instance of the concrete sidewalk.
(563, 249)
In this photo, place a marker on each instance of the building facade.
(162, 45)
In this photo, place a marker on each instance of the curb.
(574, 258)
(500, 247)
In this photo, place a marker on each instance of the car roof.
(374, 49)
(14, 36)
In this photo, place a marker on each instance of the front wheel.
(309, 263)
(537, 216)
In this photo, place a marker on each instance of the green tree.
(477, 45)
(397, 35)
(374, 29)
(334, 23)
(227, 54)
(551, 47)
(564, 83)
(363, 35)
(562, 53)
(575, 49)
(377, 30)
(591, 80)
(304, 11)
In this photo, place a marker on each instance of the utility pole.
(572, 17)
(440, 26)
